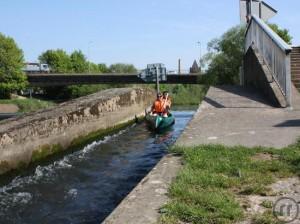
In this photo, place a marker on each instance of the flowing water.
(85, 186)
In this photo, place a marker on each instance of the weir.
(32, 137)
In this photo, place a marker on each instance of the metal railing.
(274, 51)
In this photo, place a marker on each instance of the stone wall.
(27, 138)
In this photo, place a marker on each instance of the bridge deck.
(75, 79)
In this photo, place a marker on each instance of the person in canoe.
(166, 103)
(160, 117)
(157, 107)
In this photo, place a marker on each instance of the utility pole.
(179, 66)
(199, 43)
(89, 59)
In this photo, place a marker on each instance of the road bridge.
(43, 80)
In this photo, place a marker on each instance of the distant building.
(195, 68)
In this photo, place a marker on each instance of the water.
(85, 186)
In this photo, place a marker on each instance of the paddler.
(157, 107)
(166, 103)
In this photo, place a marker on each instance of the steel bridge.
(43, 80)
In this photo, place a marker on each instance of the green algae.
(44, 151)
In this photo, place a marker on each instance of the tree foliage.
(79, 62)
(283, 33)
(103, 68)
(122, 68)
(11, 62)
(58, 60)
(225, 56)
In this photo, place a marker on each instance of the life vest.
(158, 106)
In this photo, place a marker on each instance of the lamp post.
(89, 52)
(199, 44)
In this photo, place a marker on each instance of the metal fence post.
(288, 80)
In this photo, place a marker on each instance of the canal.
(85, 186)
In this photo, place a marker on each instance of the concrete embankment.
(34, 136)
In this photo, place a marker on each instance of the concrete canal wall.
(34, 136)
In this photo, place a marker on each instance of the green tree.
(103, 68)
(11, 62)
(93, 68)
(122, 68)
(225, 56)
(78, 61)
(283, 33)
(58, 60)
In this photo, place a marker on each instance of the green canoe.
(160, 122)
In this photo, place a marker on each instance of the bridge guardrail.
(274, 51)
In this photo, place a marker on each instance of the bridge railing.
(274, 51)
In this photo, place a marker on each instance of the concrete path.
(8, 108)
(233, 115)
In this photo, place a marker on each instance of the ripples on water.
(85, 186)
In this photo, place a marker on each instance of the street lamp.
(89, 51)
(199, 44)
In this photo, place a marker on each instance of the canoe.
(159, 122)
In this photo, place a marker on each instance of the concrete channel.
(86, 185)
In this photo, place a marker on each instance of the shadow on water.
(85, 186)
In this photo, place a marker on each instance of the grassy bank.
(28, 105)
(214, 177)
(185, 94)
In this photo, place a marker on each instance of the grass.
(28, 105)
(265, 218)
(212, 176)
(183, 94)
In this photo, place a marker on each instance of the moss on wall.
(45, 151)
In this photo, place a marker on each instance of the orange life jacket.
(158, 106)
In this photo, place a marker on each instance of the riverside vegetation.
(214, 178)
(28, 105)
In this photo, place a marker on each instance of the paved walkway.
(234, 115)
(8, 108)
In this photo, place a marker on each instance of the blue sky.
(131, 31)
